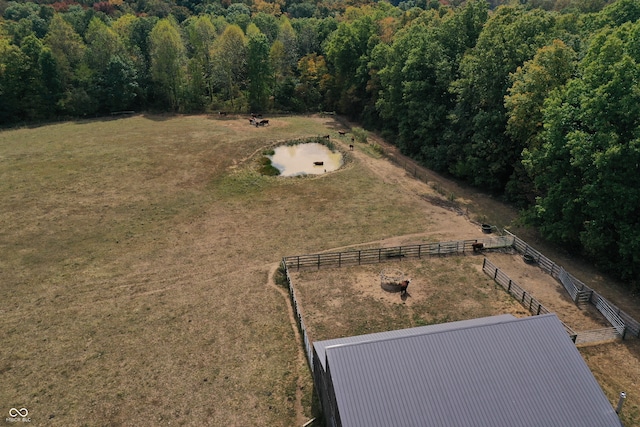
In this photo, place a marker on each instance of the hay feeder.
(391, 278)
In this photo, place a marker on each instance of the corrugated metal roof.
(519, 372)
(320, 346)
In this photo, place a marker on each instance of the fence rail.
(622, 323)
(296, 309)
(526, 299)
(581, 293)
(596, 336)
(374, 256)
(582, 337)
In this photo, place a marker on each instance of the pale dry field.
(137, 264)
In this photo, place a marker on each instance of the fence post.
(318, 261)
(509, 288)
(339, 259)
(484, 262)
(380, 255)
(524, 294)
(495, 274)
(538, 313)
(359, 257)
(419, 251)
(298, 263)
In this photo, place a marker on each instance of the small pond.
(305, 159)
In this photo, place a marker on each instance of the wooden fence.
(296, 309)
(374, 256)
(535, 308)
(622, 322)
(513, 288)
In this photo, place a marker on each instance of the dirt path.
(301, 359)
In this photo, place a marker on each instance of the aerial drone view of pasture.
(141, 255)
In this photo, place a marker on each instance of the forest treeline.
(539, 102)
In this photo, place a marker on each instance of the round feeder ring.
(391, 278)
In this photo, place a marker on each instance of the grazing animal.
(477, 247)
(264, 122)
(403, 286)
(342, 133)
(222, 113)
(351, 147)
(318, 163)
(327, 136)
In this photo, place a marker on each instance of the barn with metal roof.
(497, 371)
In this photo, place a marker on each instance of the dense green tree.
(200, 34)
(258, 69)
(229, 63)
(486, 157)
(268, 25)
(167, 63)
(586, 170)
(68, 49)
(239, 14)
(551, 68)
(348, 53)
(13, 65)
(118, 84)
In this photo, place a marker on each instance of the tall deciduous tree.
(587, 168)
(167, 62)
(550, 68)
(258, 69)
(230, 62)
(511, 36)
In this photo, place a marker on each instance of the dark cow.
(351, 147)
(263, 122)
(403, 287)
(342, 133)
(318, 163)
(327, 136)
(477, 247)
(222, 113)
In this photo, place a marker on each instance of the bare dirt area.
(549, 292)
(349, 301)
(137, 269)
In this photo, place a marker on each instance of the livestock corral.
(347, 293)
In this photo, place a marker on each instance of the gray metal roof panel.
(320, 346)
(524, 372)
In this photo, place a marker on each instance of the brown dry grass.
(136, 259)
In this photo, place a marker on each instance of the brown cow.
(403, 287)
